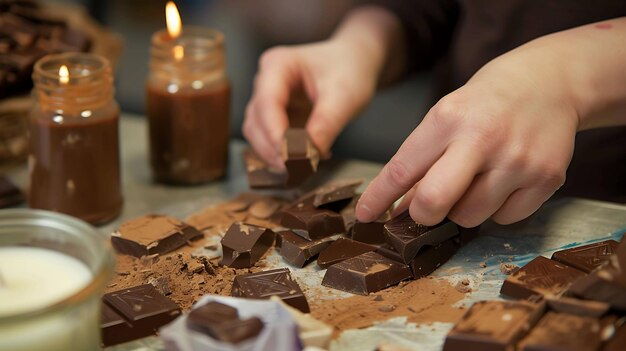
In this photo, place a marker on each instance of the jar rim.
(98, 63)
(161, 38)
(101, 272)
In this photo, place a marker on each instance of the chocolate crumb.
(508, 268)
(387, 308)
(463, 286)
(482, 265)
(377, 298)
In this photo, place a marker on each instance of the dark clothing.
(456, 38)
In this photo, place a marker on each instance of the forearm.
(377, 35)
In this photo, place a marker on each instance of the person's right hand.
(337, 79)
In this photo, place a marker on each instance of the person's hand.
(497, 147)
(336, 79)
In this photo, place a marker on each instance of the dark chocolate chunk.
(135, 313)
(152, 234)
(338, 190)
(578, 307)
(312, 223)
(260, 174)
(493, 326)
(372, 232)
(389, 252)
(342, 249)
(348, 213)
(221, 322)
(244, 244)
(601, 285)
(430, 258)
(540, 276)
(562, 331)
(300, 156)
(587, 257)
(366, 273)
(468, 234)
(298, 251)
(407, 237)
(10, 195)
(275, 282)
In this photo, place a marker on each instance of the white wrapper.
(279, 332)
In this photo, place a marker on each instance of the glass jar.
(188, 104)
(31, 319)
(74, 160)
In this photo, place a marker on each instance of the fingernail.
(364, 213)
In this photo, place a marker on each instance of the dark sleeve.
(428, 25)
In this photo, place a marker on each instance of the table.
(558, 224)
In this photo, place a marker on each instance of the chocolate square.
(275, 282)
(298, 251)
(562, 331)
(587, 257)
(312, 223)
(341, 250)
(244, 244)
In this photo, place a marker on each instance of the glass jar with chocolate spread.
(74, 162)
(188, 104)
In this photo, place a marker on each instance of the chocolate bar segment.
(366, 273)
(312, 223)
(587, 257)
(244, 244)
(300, 156)
(152, 234)
(338, 190)
(342, 249)
(407, 236)
(275, 282)
(222, 322)
(260, 174)
(578, 307)
(562, 331)
(602, 285)
(298, 251)
(135, 313)
(372, 232)
(493, 326)
(540, 276)
(428, 259)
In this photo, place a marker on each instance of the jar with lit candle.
(74, 160)
(188, 103)
(53, 272)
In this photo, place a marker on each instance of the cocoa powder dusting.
(413, 300)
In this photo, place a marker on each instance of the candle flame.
(64, 75)
(172, 18)
(179, 52)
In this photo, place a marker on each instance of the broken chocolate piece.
(389, 252)
(244, 244)
(342, 249)
(562, 331)
(300, 156)
(430, 258)
(10, 195)
(275, 282)
(493, 326)
(577, 307)
(407, 237)
(338, 190)
(298, 251)
(312, 223)
(468, 234)
(260, 174)
(587, 257)
(152, 234)
(601, 285)
(135, 313)
(540, 276)
(221, 322)
(366, 273)
(372, 232)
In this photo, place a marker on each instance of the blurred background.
(250, 27)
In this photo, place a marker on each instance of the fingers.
(525, 201)
(445, 183)
(419, 151)
(404, 202)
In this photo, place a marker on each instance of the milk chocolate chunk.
(298, 251)
(10, 195)
(300, 156)
(428, 259)
(244, 244)
(408, 237)
(222, 322)
(312, 223)
(135, 313)
(493, 326)
(260, 174)
(275, 282)
(578, 307)
(152, 234)
(562, 331)
(366, 273)
(342, 249)
(540, 276)
(601, 285)
(338, 190)
(587, 257)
